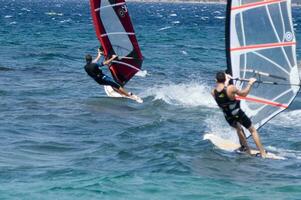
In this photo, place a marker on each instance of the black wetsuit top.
(231, 109)
(93, 70)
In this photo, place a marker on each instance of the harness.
(230, 107)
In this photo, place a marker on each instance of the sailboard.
(112, 93)
(261, 43)
(230, 146)
(116, 34)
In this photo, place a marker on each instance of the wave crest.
(192, 94)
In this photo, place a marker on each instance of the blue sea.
(61, 137)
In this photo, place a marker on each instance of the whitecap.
(190, 95)
(26, 9)
(164, 28)
(217, 12)
(54, 14)
(287, 119)
(142, 73)
(173, 15)
(184, 52)
(175, 22)
(219, 17)
(286, 153)
(217, 125)
(8, 16)
(64, 21)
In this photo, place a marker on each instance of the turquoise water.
(62, 138)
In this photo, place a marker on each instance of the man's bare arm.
(110, 60)
(244, 92)
(97, 58)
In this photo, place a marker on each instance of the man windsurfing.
(92, 68)
(224, 95)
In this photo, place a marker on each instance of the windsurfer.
(92, 68)
(224, 94)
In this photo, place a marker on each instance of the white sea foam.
(184, 52)
(65, 21)
(12, 23)
(164, 28)
(26, 9)
(219, 17)
(175, 22)
(286, 153)
(217, 12)
(54, 14)
(288, 119)
(142, 73)
(8, 16)
(217, 125)
(191, 95)
(173, 15)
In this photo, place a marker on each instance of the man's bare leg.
(257, 141)
(242, 138)
(122, 91)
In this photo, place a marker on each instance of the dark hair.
(88, 59)
(100, 48)
(220, 77)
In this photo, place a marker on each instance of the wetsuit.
(93, 70)
(231, 109)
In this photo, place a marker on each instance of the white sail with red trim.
(115, 31)
(260, 43)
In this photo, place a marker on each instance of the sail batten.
(264, 46)
(260, 43)
(256, 4)
(112, 5)
(117, 33)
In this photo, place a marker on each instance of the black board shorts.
(241, 118)
(105, 80)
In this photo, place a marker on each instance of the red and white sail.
(116, 34)
(260, 43)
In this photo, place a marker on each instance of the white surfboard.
(112, 93)
(228, 145)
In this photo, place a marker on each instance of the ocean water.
(62, 138)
